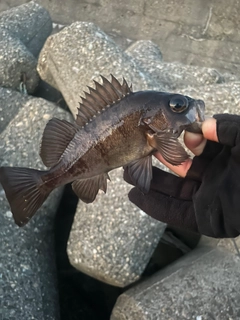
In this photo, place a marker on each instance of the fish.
(115, 127)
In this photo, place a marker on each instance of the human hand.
(205, 198)
(194, 142)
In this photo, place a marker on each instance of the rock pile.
(110, 240)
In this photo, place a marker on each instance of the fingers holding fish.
(209, 129)
(195, 142)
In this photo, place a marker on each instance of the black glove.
(207, 200)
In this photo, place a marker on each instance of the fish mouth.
(200, 107)
(196, 126)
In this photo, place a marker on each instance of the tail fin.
(24, 192)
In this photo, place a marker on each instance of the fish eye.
(178, 104)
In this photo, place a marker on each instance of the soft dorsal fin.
(56, 137)
(104, 95)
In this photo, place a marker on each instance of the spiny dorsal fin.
(56, 137)
(97, 100)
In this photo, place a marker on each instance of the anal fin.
(169, 147)
(87, 189)
(140, 172)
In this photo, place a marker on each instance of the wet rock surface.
(113, 243)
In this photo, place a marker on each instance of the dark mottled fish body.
(110, 141)
(115, 127)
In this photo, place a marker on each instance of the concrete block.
(16, 62)
(173, 76)
(30, 23)
(81, 52)
(23, 31)
(28, 285)
(112, 240)
(192, 32)
(10, 104)
(218, 98)
(201, 285)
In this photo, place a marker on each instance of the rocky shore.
(42, 74)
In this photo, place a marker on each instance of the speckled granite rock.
(112, 240)
(73, 57)
(145, 51)
(218, 98)
(27, 259)
(23, 30)
(30, 23)
(10, 104)
(15, 61)
(201, 285)
(173, 75)
(193, 32)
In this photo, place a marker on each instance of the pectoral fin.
(140, 172)
(87, 189)
(169, 147)
(56, 137)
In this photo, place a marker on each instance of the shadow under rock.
(47, 92)
(80, 296)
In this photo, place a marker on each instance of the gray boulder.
(23, 30)
(173, 76)
(10, 104)
(192, 32)
(81, 52)
(218, 98)
(27, 268)
(145, 51)
(112, 240)
(16, 62)
(30, 23)
(201, 285)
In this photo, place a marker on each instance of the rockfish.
(114, 127)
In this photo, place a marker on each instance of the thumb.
(209, 129)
